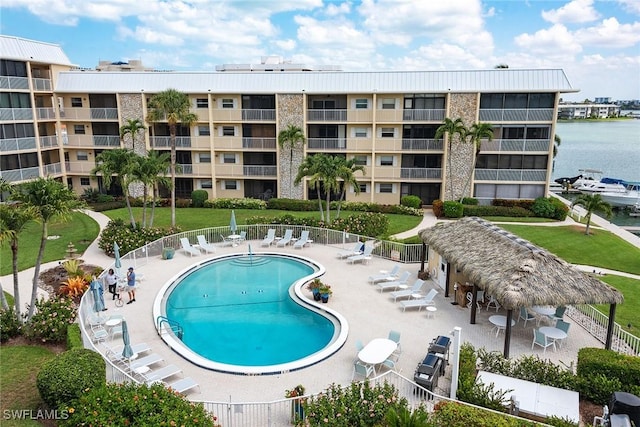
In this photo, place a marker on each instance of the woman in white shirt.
(112, 281)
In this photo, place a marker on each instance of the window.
(78, 129)
(387, 132)
(84, 181)
(360, 132)
(204, 130)
(386, 160)
(360, 160)
(386, 187)
(227, 103)
(228, 158)
(206, 183)
(82, 155)
(204, 157)
(76, 102)
(388, 104)
(362, 103)
(202, 103)
(364, 188)
(228, 131)
(231, 185)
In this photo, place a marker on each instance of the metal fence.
(596, 323)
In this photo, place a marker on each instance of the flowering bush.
(297, 391)
(10, 325)
(246, 203)
(136, 405)
(375, 207)
(51, 319)
(359, 404)
(129, 239)
(366, 223)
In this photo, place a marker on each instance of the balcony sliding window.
(13, 68)
(14, 100)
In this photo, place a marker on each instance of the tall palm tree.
(151, 170)
(118, 163)
(592, 203)
(451, 128)
(346, 172)
(311, 167)
(476, 134)
(172, 106)
(292, 137)
(132, 128)
(50, 200)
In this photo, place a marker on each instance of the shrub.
(411, 201)
(375, 207)
(90, 195)
(70, 375)
(105, 198)
(129, 239)
(455, 414)
(183, 203)
(543, 208)
(438, 208)
(10, 325)
(74, 287)
(622, 373)
(74, 337)
(51, 319)
(101, 207)
(483, 210)
(246, 203)
(561, 210)
(296, 205)
(453, 209)
(135, 405)
(365, 224)
(469, 201)
(198, 197)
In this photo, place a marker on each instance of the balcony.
(409, 144)
(80, 168)
(202, 142)
(106, 140)
(52, 169)
(254, 170)
(535, 175)
(517, 115)
(327, 115)
(359, 116)
(389, 116)
(387, 172)
(78, 140)
(16, 175)
(222, 115)
(16, 114)
(259, 143)
(17, 144)
(46, 113)
(87, 114)
(48, 141)
(259, 115)
(16, 83)
(517, 145)
(41, 85)
(327, 143)
(165, 141)
(423, 115)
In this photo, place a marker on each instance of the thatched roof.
(513, 270)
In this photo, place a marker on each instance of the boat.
(609, 185)
(630, 197)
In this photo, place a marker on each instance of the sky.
(597, 43)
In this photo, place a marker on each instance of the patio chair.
(480, 298)
(364, 256)
(362, 370)
(389, 363)
(98, 332)
(393, 274)
(493, 302)
(563, 326)
(354, 251)
(204, 245)
(395, 284)
(541, 339)
(156, 375)
(286, 239)
(559, 314)
(422, 302)
(526, 316)
(243, 236)
(395, 337)
(225, 241)
(303, 240)
(403, 293)
(183, 385)
(188, 248)
(269, 238)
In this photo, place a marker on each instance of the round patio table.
(500, 322)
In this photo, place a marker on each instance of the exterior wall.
(290, 110)
(460, 159)
(130, 107)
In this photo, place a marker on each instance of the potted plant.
(325, 291)
(314, 286)
(168, 253)
(297, 409)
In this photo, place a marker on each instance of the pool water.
(238, 311)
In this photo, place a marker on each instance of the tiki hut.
(514, 271)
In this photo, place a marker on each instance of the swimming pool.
(248, 315)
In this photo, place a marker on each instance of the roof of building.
(495, 80)
(19, 49)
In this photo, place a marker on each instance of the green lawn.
(79, 229)
(627, 313)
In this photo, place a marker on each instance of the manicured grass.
(18, 380)
(79, 229)
(531, 219)
(628, 312)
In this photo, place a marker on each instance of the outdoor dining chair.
(542, 340)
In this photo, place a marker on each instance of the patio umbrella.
(96, 292)
(127, 352)
(232, 225)
(116, 254)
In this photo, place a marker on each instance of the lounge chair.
(405, 293)
(395, 284)
(225, 242)
(188, 248)
(303, 240)
(364, 256)
(269, 238)
(355, 251)
(115, 353)
(183, 385)
(204, 245)
(151, 359)
(393, 274)
(160, 374)
(286, 239)
(422, 302)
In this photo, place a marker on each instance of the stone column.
(290, 112)
(131, 109)
(464, 106)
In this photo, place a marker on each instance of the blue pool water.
(238, 311)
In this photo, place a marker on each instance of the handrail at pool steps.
(165, 325)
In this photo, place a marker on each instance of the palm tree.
(451, 128)
(292, 137)
(132, 128)
(346, 172)
(50, 200)
(592, 203)
(476, 134)
(172, 106)
(151, 170)
(311, 167)
(120, 163)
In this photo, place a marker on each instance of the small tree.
(292, 137)
(592, 203)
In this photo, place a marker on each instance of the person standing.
(131, 285)
(112, 280)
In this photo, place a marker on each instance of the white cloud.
(610, 33)
(576, 11)
(632, 6)
(338, 9)
(286, 45)
(556, 40)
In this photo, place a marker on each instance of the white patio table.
(377, 351)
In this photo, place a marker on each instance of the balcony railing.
(421, 173)
(106, 140)
(327, 115)
(79, 167)
(518, 145)
(259, 143)
(16, 144)
(165, 141)
(423, 115)
(327, 143)
(52, 169)
(517, 115)
(536, 175)
(89, 113)
(46, 113)
(16, 114)
(16, 175)
(40, 84)
(259, 115)
(104, 114)
(250, 170)
(422, 144)
(184, 169)
(10, 82)
(48, 141)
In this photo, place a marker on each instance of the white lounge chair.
(286, 239)
(395, 284)
(364, 256)
(188, 248)
(269, 238)
(151, 359)
(115, 353)
(404, 293)
(183, 385)
(393, 274)
(355, 251)
(303, 240)
(422, 302)
(160, 374)
(225, 241)
(204, 245)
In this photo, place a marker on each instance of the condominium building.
(55, 120)
(588, 111)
